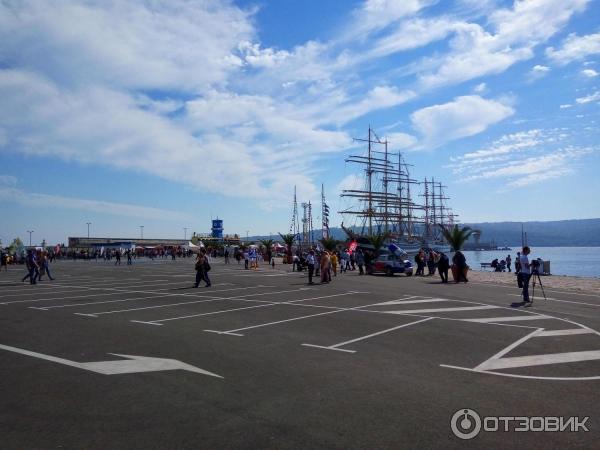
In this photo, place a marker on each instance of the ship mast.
(324, 214)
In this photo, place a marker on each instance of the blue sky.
(167, 113)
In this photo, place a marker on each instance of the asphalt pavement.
(134, 357)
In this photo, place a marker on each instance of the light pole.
(247, 240)
(142, 231)
(88, 224)
(184, 233)
(30, 233)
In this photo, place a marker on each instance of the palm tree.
(329, 244)
(377, 241)
(456, 236)
(288, 239)
(268, 243)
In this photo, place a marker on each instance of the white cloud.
(476, 52)
(35, 200)
(8, 180)
(521, 159)
(464, 116)
(351, 182)
(566, 106)
(401, 140)
(379, 97)
(378, 14)
(176, 45)
(480, 88)
(575, 48)
(590, 73)
(588, 98)
(527, 171)
(539, 71)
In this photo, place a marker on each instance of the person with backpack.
(32, 267)
(443, 265)
(202, 267)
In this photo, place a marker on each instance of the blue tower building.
(217, 229)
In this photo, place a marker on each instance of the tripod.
(535, 276)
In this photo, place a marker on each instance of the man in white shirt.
(525, 273)
(310, 259)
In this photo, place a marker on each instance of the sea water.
(575, 261)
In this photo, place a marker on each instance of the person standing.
(246, 259)
(118, 257)
(508, 262)
(128, 253)
(226, 255)
(518, 263)
(442, 266)
(310, 259)
(525, 273)
(431, 262)
(460, 262)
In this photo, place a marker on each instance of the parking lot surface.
(134, 356)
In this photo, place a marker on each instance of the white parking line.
(341, 344)
(568, 332)
(539, 360)
(292, 302)
(561, 300)
(210, 299)
(509, 319)
(156, 295)
(436, 310)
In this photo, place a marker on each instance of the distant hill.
(558, 233)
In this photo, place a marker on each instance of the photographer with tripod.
(529, 271)
(525, 273)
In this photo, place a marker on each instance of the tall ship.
(387, 200)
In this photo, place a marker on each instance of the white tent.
(193, 247)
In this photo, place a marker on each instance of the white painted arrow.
(132, 364)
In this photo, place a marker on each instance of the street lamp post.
(184, 233)
(30, 233)
(142, 231)
(247, 240)
(88, 224)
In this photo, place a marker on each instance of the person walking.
(325, 267)
(360, 261)
(518, 263)
(32, 267)
(202, 267)
(226, 256)
(460, 262)
(4, 261)
(246, 259)
(443, 265)
(334, 263)
(118, 257)
(508, 262)
(310, 259)
(44, 266)
(128, 253)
